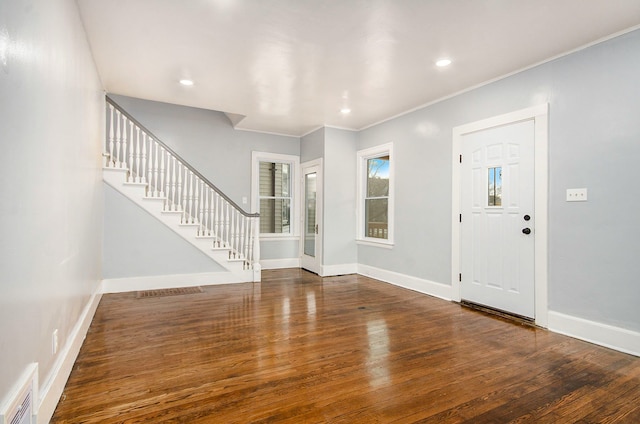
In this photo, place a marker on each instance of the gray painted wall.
(207, 140)
(51, 123)
(337, 148)
(312, 146)
(594, 142)
(340, 185)
(138, 245)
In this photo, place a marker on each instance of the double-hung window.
(274, 189)
(375, 188)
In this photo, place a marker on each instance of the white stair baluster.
(240, 235)
(149, 167)
(130, 174)
(111, 135)
(190, 199)
(185, 189)
(247, 249)
(255, 255)
(164, 186)
(178, 204)
(154, 163)
(236, 233)
(139, 175)
(250, 247)
(173, 183)
(216, 217)
(231, 232)
(220, 221)
(230, 226)
(236, 236)
(245, 236)
(212, 214)
(123, 162)
(200, 208)
(196, 205)
(118, 139)
(204, 215)
(225, 225)
(143, 158)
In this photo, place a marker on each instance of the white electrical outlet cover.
(576, 195)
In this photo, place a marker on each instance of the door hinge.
(460, 277)
(460, 158)
(460, 217)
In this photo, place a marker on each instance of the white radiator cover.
(19, 406)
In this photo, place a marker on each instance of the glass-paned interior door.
(311, 217)
(310, 224)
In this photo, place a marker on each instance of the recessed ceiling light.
(443, 62)
(345, 110)
(187, 82)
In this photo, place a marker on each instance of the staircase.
(149, 173)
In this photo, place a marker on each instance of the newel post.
(257, 269)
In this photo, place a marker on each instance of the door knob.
(526, 230)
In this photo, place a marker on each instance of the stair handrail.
(178, 157)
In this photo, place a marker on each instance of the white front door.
(497, 222)
(311, 255)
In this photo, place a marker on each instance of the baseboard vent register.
(168, 292)
(19, 407)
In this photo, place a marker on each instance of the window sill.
(375, 243)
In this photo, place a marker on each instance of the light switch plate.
(576, 195)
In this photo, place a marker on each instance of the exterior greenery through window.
(275, 197)
(375, 194)
(376, 202)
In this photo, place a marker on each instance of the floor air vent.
(168, 292)
(19, 408)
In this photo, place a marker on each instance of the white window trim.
(363, 156)
(294, 161)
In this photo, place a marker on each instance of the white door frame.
(540, 115)
(319, 211)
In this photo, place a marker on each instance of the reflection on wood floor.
(298, 348)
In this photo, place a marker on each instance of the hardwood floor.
(301, 349)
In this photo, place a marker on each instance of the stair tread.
(113, 168)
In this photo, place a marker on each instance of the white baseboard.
(340, 269)
(53, 387)
(431, 288)
(120, 285)
(617, 338)
(280, 263)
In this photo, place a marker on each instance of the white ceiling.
(289, 66)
